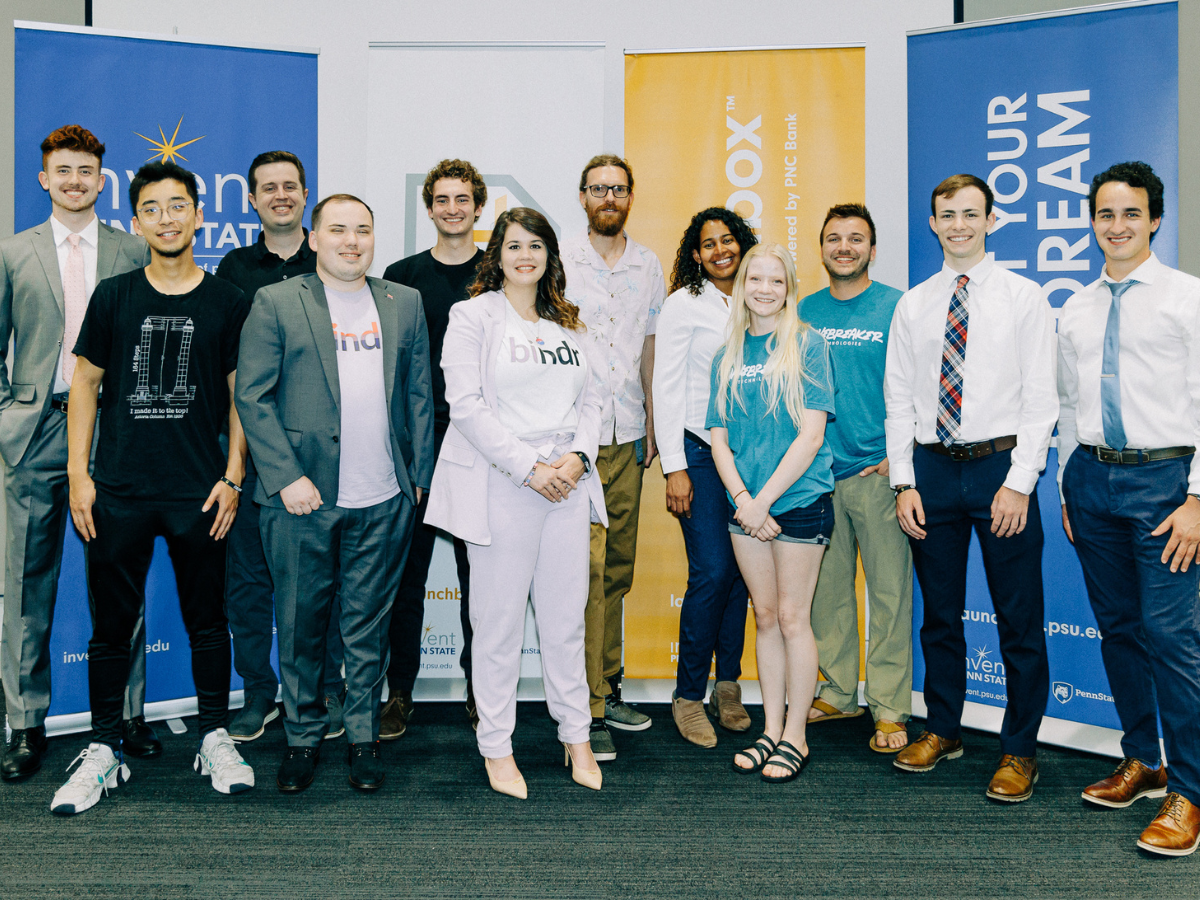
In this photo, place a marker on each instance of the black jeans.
(118, 559)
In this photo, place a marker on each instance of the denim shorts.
(810, 524)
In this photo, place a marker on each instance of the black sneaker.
(603, 747)
(366, 768)
(619, 714)
(298, 769)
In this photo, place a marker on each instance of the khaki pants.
(864, 517)
(612, 556)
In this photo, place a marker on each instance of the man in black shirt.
(162, 342)
(279, 195)
(454, 195)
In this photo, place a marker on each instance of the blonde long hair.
(784, 374)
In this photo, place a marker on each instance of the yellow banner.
(778, 136)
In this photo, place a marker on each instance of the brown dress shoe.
(1014, 779)
(926, 752)
(725, 705)
(1131, 780)
(1175, 831)
(692, 723)
(393, 721)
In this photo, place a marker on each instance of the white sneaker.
(218, 757)
(99, 772)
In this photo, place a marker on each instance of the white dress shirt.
(620, 308)
(89, 244)
(1008, 374)
(1160, 363)
(691, 329)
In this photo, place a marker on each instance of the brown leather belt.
(977, 450)
(1135, 457)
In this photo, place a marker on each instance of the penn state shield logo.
(1062, 691)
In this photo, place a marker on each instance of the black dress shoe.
(138, 739)
(366, 768)
(298, 769)
(24, 754)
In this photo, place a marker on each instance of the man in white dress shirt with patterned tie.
(1129, 386)
(971, 404)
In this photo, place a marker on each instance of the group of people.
(513, 398)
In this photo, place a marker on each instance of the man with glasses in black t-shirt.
(279, 195)
(454, 194)
(163, 343)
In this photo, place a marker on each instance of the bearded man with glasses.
(619, 288)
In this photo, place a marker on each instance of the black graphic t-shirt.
(165, 392)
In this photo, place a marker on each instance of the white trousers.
(539, 552)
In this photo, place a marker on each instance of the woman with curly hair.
(513, 481)
(691, 328)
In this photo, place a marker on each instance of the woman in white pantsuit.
(513, 481)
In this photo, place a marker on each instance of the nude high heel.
(591, 779)
(515, 788)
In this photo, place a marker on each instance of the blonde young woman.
(514, 480)
(772, 391)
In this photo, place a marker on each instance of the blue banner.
(1033, 107)
(211, 109)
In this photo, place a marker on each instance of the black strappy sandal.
(758, 753)
(786, 756)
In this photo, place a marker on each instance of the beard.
(602, 221)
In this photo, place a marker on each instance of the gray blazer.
(32, 313)
(289, 398)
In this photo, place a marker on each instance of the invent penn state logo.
(1062, 691)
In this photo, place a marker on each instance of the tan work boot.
(725, 705)
(692, 723)
(393, 721)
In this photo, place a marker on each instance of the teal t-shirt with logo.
(760, 439)
(857, 333)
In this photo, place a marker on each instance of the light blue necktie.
(1110, 371)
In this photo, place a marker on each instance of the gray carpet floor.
(672, 821)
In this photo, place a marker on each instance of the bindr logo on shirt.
(561, 355)
(346, 341)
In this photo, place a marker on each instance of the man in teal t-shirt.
(854, 315)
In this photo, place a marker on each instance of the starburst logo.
(167, 149)
(981, 653)
(428, 628)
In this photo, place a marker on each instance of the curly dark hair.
(552, 302)
(687, 272)
(463, 171)
(1136, 175)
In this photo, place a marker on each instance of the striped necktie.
(954, 357)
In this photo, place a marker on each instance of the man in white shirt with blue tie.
(1129, 387)
(968, 426)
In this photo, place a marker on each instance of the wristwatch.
(901, 488)
(587, 463)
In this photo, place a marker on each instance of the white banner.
(528, 117)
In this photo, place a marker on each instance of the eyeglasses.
(620, 191)
(175, 212)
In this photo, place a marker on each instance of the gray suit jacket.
(289, 398)
(32, 314)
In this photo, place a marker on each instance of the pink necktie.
(75, 301)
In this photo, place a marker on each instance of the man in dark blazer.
(334, 391)
(47, 275)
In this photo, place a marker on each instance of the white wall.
(343, 31)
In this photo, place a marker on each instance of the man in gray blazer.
(334, 393)
(47, 275)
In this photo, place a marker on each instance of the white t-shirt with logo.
(539, 374)
(366, 470)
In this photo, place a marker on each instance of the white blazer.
(476, 441)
